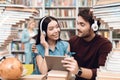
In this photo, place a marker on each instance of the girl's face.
(53, 30)
(32, 25)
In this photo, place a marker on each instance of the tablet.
(54, 62)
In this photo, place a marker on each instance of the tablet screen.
(54, 62)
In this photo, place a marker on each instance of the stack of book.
(10, 19)
(113, 61)
(5, 1)
(57, 75)
(108, 11)
(111, 70)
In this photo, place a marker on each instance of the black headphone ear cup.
(94, 26)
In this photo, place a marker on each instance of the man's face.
(83, 28)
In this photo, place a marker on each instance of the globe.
(11, 68)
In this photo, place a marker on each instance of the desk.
(52, 75)
(34, 77)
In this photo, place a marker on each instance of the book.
(107, 78)
(33, 77)
(64, 35)
(57, 75)
(106, 2)
(103, 74)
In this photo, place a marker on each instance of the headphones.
(41, 25)
(95, 26)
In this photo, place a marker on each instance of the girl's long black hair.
(44, 26)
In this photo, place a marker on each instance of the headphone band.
(41, 23)
(95, 21)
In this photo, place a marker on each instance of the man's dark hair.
(87, 15)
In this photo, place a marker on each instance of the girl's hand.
(43, 41)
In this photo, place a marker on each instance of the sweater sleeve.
(103, 52)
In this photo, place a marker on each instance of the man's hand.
(70, 64)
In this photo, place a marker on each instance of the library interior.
(50, 40)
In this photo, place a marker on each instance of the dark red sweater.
(90, 54)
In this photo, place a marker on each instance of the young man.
(91, 49)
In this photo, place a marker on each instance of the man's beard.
(85, 36)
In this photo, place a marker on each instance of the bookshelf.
(66, 17)
(64, 10)
(14, 18)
